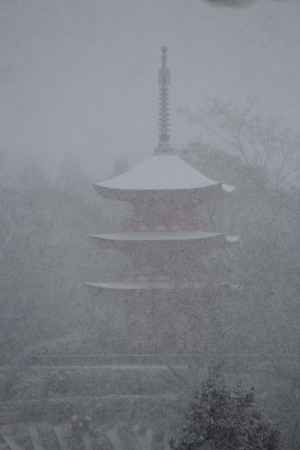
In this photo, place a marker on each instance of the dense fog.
(79, 101)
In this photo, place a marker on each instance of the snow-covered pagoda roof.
(156, 236)
(164, 174)
(161, 172)
(125, 239)
(142, 285)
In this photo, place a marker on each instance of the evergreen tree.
(221, 418)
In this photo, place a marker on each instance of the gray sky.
(81, 76)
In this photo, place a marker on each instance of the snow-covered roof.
(161, 172)
(163, 236)
(144, 285)
(156, 236)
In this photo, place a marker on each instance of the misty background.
(78, 79)
(79, 101)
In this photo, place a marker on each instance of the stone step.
(152, 361)
(64, 406)
(112, 360)
(47, 383)
(116, 437)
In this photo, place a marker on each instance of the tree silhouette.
(221, 418)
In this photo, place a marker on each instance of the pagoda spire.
(164, 113)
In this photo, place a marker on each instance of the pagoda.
(170, 242)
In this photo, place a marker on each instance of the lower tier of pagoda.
(145, 285)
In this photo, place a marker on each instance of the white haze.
(80, 77)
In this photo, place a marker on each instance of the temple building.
(171, 242)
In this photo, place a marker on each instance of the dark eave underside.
(134, 195)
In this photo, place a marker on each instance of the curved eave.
(154, 236)
(227, 188)
(231, 239)
(132, 195)
(162, 236)
(135, 286)
(172, 241)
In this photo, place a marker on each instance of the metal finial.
(164, 114)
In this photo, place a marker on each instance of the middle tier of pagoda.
(167, 237)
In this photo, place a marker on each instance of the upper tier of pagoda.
(161, 173)
(165, 174)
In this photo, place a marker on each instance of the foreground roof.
(161, 172)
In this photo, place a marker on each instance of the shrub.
(221, 418)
